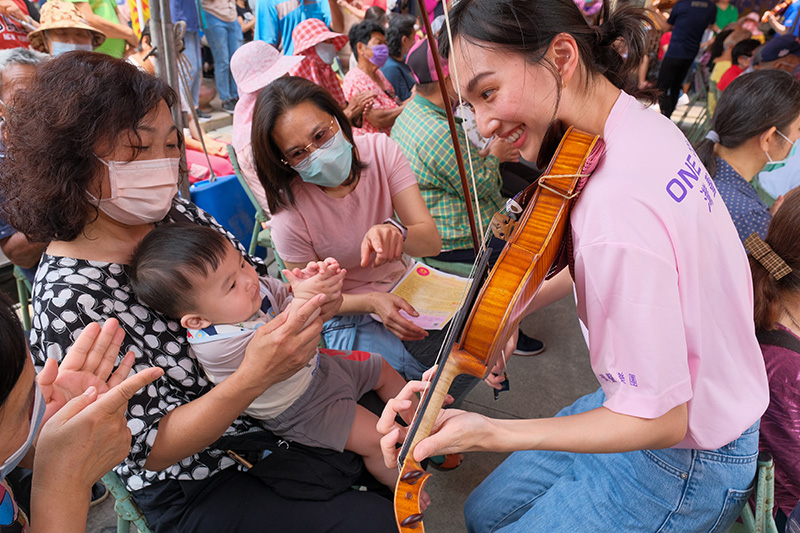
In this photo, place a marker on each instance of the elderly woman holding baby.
(92, 166)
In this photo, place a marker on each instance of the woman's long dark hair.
(783, 237)
(273, 101)
(749, 106)
(528, 28)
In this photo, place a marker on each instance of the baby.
(193, 273)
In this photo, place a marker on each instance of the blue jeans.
(410, 359)
(192, 53)
(364, 333)
(670, 490)
(224, 38)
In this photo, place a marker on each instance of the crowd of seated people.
(200, 352)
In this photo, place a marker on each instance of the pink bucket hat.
(311, 32)
(256, 64)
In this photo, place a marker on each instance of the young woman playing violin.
(669, 440)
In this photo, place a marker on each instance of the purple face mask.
(380, 53)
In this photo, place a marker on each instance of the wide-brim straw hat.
(57, 14)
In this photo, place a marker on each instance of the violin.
(777, 10)
(535, 249)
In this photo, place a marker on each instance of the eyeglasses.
(323, 138)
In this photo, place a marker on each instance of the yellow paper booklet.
(433, 293)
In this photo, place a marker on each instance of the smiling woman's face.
(511, 99)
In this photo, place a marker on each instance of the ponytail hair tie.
(713, 136)
(765, 255)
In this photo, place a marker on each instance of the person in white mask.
(74, 413)
(63, 29)
(94, 146)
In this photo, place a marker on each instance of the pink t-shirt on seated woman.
(663, 284)
(321, 226)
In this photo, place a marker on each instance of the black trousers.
(236, 502)
(670, 78)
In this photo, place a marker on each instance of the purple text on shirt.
(687, 177)
(621, 376)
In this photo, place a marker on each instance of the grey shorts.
(324, 414)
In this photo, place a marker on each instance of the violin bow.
(434, 49)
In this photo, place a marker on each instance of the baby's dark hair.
(165, 266)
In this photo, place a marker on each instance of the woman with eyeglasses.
(755, 129)
(353, 198)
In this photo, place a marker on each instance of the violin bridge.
(502, 226)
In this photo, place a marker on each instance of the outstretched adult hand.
(88, 363)
(80, 443)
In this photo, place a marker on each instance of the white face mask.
(37, 415)
(57, 48)
(141, 191)
(326, 52)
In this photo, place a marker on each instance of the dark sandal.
(450, 461)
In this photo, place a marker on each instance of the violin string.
(485, 232)
(468, 142)
(451, 329)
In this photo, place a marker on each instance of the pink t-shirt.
(321, 226)
(663, 284)
(357, 81)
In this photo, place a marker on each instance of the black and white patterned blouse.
(71, 293)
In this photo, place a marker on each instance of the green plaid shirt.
(422, 132)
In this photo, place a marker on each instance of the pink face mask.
(141, 191)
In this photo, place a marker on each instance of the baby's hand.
(319, 277)
(329, 267)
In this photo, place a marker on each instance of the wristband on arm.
(398, 225)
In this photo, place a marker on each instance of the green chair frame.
(127, 511)
(699, 127)
(24, 295)
(760, 519)
(261, 236)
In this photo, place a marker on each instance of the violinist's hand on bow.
(498, 375)
(383, 240)
(388, 307)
